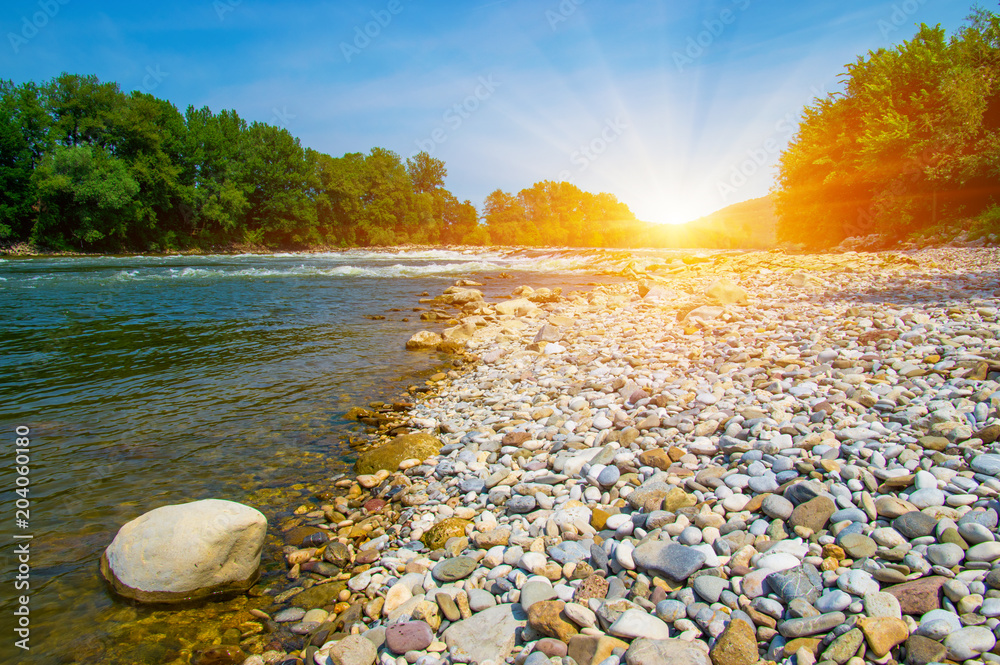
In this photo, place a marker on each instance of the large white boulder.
(186, 551)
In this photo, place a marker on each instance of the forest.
(911, 144)
(87, 167)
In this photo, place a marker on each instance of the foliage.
(87, 167)
(559, 213)
(914, 139)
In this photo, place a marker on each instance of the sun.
(673, 212)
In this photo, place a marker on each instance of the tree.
(88, 199)
(426, 173)
(213, 175)
(23, 131)
(913, 139)
(505, 219)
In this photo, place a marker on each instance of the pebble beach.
(723, 460)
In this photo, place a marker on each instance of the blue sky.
(678, 108)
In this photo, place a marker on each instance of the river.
(152, 380)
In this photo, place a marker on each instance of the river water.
(147, 381)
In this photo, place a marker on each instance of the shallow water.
(154, 380)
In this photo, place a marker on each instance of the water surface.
(154, 380)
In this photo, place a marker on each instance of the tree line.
(85, 166)
(912, 143)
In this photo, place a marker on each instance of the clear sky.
(659, 103)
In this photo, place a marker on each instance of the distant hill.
(746, 225)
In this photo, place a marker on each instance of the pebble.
(799, 468)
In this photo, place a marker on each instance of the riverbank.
(802, 463)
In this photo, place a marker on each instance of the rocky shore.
(753, 457)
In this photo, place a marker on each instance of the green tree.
(912, 140)
(215, 181)
(23, 139)
(506, 219)
(88, 199)
(426, 173)
(280, 206)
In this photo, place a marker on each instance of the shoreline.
(578, 456)
(859, 245)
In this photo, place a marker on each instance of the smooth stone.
(857, 546)
(801, 582)
(778, 507)
(676, 562)
(919, 596)
(521, 504)
(608, 476)
(671, 610)
(849, 515)
(569, 551)
(914, 524)
(451, 570)
(923, 651)
(988, 464)
(858, 583)
(927, 498)
(480, 599)
(813, 514)
(737, 645)
(810, 625)
(974, 533)
(883, 633)
(834, 600)
(882, 604)
(545, 618)
(188, 551)
(488, 635)
(983, 552)
(289, 615)
(351, 650)
(779, 561)
(844, 647)
(634, 624)
(949, 619)
(673, 651)
(945, 554)
(710, 588)
(969, 642)
(408, 636)
(990, 608)
(535, 591)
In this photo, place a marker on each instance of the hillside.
(748, 224)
